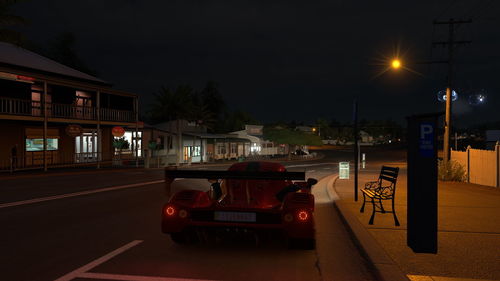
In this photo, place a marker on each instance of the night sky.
(285, 60)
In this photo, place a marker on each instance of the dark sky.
(285, 60)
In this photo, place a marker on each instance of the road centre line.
(74, 194)
(75, 274)
(308, 165)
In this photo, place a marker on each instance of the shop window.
(37, 144)
(190, 151)
(221, 148)
(133, 141)
(196, 151)
(233, 148)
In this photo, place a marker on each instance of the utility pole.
(449, 87)
(356, 149)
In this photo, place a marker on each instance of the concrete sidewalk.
(468, 231)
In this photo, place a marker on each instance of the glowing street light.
(396, 64)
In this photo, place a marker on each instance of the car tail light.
(183, 214)
(288, 217)
(169, 211)
(302, 215)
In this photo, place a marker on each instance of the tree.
(215, 104)
(63, 50)
(173, 105)
(120, 144)
(237, 120)
(201, 113)
(7, 20)
(323, 128)
(283, 135)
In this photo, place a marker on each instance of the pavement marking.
(106, 276)
(82, 272)
(74, 194)
(311, 171)
(75, 274)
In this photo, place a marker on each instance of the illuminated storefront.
(53, 115)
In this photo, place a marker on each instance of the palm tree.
(214, 103)
(173, 105)
(7, 20)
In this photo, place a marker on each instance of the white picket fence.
(482, 166)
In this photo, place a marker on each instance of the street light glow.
(396, 63)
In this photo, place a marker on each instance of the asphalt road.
(115, 234)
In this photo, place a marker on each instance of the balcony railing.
(34, 108)
(15, 106)
(108, 114)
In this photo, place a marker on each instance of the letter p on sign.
(426, 141)
(425, 130)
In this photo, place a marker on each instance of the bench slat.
(392, 169)
(376, 195)
(389, 173)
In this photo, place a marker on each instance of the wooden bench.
(382, 189)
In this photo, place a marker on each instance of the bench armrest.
(371, 185)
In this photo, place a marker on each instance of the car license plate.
(235, 216)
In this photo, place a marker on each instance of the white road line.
(49, 198)
(311, 171)
(106, 276)
(76, 273)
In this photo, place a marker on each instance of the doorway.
(86, 147)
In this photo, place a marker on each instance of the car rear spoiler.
(171, 173)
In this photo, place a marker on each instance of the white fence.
(482, 166)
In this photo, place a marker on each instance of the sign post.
(422, 183)
(344, 170)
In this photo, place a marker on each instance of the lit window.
(37, 144)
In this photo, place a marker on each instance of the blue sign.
(426, 145)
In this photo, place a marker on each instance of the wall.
(482, 166)
(12, 133)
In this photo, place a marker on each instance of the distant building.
(197, 146)
(257, 144)
(51, 114)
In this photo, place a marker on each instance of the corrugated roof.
(14, 55)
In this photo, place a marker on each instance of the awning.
(35, 133)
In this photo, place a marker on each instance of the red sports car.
(248, 196)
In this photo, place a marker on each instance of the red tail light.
(169, 211)
(302, 215)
